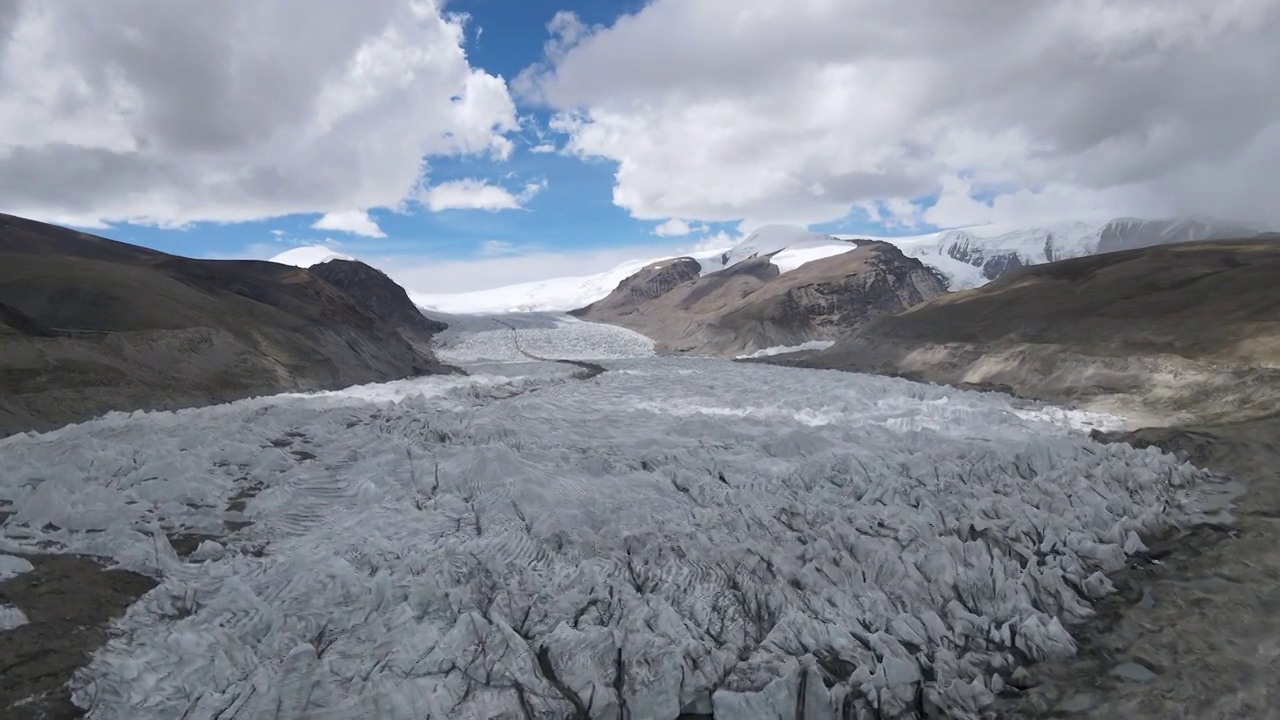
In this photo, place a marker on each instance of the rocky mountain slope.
(383, 297)
(755, 304)
(1179, 331)
(89, 325)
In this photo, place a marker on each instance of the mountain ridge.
(753, 304)
(90, 325)
(1189, 330)
(968, 257)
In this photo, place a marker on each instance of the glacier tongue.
(672, 535)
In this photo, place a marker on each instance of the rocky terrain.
(89, 325)
(1183, 332)
(753, 304)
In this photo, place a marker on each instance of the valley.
(672, 536)
(564, 517)
(639, 360)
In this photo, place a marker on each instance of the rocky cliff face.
(382, 296)
(752, 305)
(89, 325)
(661, 278)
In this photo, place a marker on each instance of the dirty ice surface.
(675, 534)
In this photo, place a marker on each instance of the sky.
(468, 144)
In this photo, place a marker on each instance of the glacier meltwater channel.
(672, 535)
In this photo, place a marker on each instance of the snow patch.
(305, 257)
(784, 349)
(793, 247)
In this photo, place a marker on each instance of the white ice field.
(673, 535)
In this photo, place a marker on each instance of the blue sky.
(543, 138)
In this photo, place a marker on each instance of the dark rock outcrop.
(751, 305)
(384, 298)
(661, 278)
(89, 325)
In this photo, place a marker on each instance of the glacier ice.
(673, 534)
(11, 617)
(11, 567)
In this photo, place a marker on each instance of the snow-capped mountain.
(968, 257)
(789, 247)
(1132, 233)
(973, 256)
(309, 255)
(815, 290)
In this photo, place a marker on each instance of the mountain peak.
(308, 255)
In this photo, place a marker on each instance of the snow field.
(309, 255)
(674, 534)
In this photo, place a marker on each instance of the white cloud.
(356, 222)
(185, 110)
(477, 194)
(543, 148)
(675, 227)
(957, 205)
(719, 240)
(800, 110)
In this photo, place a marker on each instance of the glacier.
(789, 247)
(674, 535)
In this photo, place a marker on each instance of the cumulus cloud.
(800, 110)
(186, 110)
(675, 227)
(356, 222)
(477, 194)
